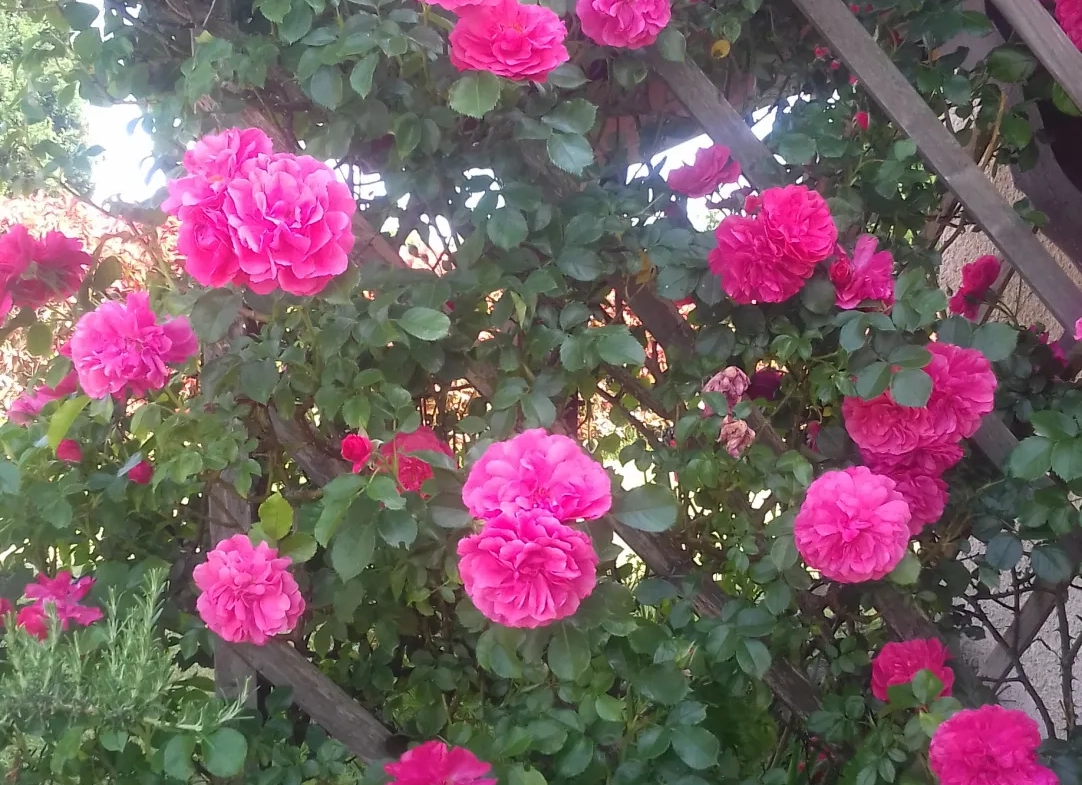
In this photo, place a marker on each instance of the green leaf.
(648, 508)
(576, 116)
(258, 379)
(326, 87)
(507, 228)
(696, 746)
(353, 548)
(609, 708)
(907, 571)
(360, 78)
(653, 741)
(296, 24)
(1067, 459)
(796, 148)
(276, 516)
(61, 422)
(753, 657)
(79, 15)
(582, 264)
(1011, 64)
(569, 652)
(39, 339)
(475, 94)
(873, 380)
(1031, 459)
(407, 133)
(570, 152)
(1004, 551)
(425, 323)
(299, 546)
(384, 490)
(818, 294)
(662, 683)
(908, 356)
(224, 752)
(274, 10)
(177, 757)
(926, 686)
(995, 340)
(621, 348)
(567, 76)
(1052, 563)
(447, 511)
(213, 314)
(654, 591)
(671, 44)
(575, 759)
(911, 387)
(10, 478)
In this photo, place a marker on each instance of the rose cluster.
(977, 278)
(397, 457)
(252, 217)
(526, 567)
(36, 271)
(63, 594)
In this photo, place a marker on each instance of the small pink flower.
(835, 65)
(898, 663)
(527, 569)
(713, 166)
(853, 525)
(462, 7)
(511, 40)
(357, 449)
(246, 593)
(963, 389)
(884, 427)
(410, 471)
(629, 24)
(69, 451)
(977, 278)
(117, 347)
(537, 470)
(219, 157)
(59, 589)
(737, 436)
(730, 382)
(867, 276)
(862, 120)
(142, 473)
(6, 609)
(34, 620)
(434, 762)
(812, 434)
(990, 745)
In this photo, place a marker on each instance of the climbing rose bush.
(435, 761)
(990, 744)
(246, 593)
(899, 661)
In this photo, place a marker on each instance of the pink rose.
(246, 594)
(765, 383)
(1069, 16)
(963, 389)
(737, 436)
(861, 120)
(898, 663)
(882, 426)
(731, 382)
(291, 222)
(29, 405)
(853, 525)
(867, 276)
(751, 266)
(799, 221)
(34, 272)
(219, 157)
(713, 166)
(64, 595)
(410, 471)
(435, 762)
(205, 239)
(630, 24)
(357, 449)
(142, 473)
(527, 569)
(124, 346)
(926, 495)
(69, 451)
(933, 458)
(462, 7)
(510, 40)
(977, 278)
(988, 745)
(537, 470)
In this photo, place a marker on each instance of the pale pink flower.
(884, 427)
(963, 389)
(121, 346)
(731, 382)
(799, 221)
(990, 745)
(142, 473)
(218, 157)
(69, 451)
(737, 436)
(1069, 16)
(853, 525)
(978, 277)
(510, 40)
(898, 662)
(630, 24)
(527, 569)
(291, 221)
(29, 405)
(713, 166)
(357, 449)
(398, 456)
(869, 275)
(246, 593)
(751, 264)
(537, 470)
(435, 763)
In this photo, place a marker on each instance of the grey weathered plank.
(1049, 43)
(885, 83)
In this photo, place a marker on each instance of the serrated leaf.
(475, 94)
(570, 152)
(1032, 458)
(568, 652)
(507, 228)
(576, 116)
(648, 508)
(352, 549)
(911, 387)
(995, 340)
(276, 516)
(425, 323)
(326, 87)
(224, 752)
(360, 78)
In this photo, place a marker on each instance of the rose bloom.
(462, 7)
(410, 471)
(765, 383)
(34, 272)
(898, 663)
(527, 569)
(731, 382)
(977, 278)
(798, 220)
(29, 405)
(291, 222)
(142, 473)
(537, 470)
(1069, 16)
(867, 276)
(205, 238)
(218, 157)
(357, 449)
(990, 745)
(884, 427)
(511, 40)
(853, 525)
(69, 451)
(124, 346)
(751, 265)
(713, 166)
(64, 595)
(246, 594)
(630, 24)
(861, 119)
(963, 389)
(737, 436)
(931, 458)
(435, 762)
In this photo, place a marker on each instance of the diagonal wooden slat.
(1048, 42)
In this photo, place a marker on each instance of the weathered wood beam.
(1048, 42)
